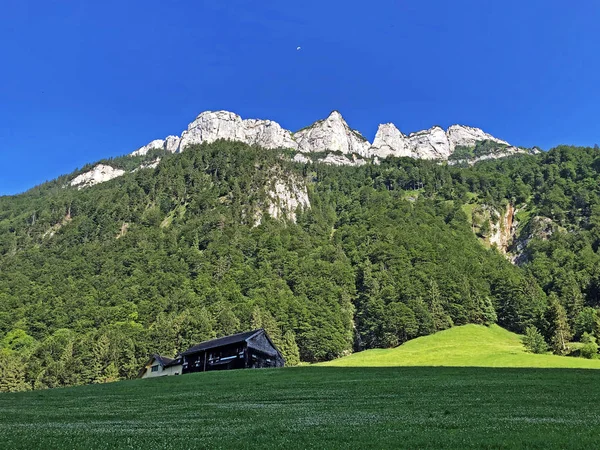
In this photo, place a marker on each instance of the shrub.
(590, 347)
(533, 340)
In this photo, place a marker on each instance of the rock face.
(332, 134)
(285, 197)
(434, 143)
(339, 160)
(459, 135)
(98, 174)
(156, 144)
(300, 158)
(503, 232)
(172, 144)
(210, 126)
(539, 227)
(429, 144)
(389, 141)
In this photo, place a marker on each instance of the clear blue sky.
(83, 80)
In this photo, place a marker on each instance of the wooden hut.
(252, 349)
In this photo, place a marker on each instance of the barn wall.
(149, 374)
(262, 344)
(173, 370)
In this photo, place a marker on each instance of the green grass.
(468, 210)
(468, 345)
(315, 407)
(328, 407)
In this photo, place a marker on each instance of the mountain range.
(328, 135)
(328, 141)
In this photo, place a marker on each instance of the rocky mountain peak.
(429, 144)
(332, 134)
(389, 141)
(461, 135)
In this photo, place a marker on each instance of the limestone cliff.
(99, 174)
(332, 134)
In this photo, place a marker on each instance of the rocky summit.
(328, 141)
(331, 134)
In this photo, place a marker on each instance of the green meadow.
(333, 406)
(468, 345)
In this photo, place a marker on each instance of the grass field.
(468, 345)
(315, 407)
(329, 407)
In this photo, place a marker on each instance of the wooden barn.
(252, 349)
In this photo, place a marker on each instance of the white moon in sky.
(298, 48)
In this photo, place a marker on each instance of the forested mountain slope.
(225, 237)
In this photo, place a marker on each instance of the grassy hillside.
(468, 345)
(315, 407)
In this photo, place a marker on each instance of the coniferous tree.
(559, 330)
(534, 341)
(289, 349)
(440, 318)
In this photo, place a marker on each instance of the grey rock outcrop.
(98, 174)
(460, 135)
(389, 141)
(210, 126)
(341, 160)
(332, 134)
(429, 144)
(285, 197)
(300, 158)
(172, 144)
(155, 144)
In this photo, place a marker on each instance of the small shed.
(252, 349)
(160, 366)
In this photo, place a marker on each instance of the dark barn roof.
(163, 360)
(221, 342)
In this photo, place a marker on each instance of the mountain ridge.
(332, 137)
(329, 134)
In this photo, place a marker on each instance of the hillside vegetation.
(92, 281)
(315, 407)
(467, 345)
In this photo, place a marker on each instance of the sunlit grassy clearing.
(468, 345)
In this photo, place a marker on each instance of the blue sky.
(84, 80)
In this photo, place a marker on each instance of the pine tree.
(559, 330)
(100, 353)
(534, 341)
(489, 312)
(289, 349)
(12, 373)
(441, 320)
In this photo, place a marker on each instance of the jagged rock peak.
(212, 125)
(461, 135)
(157, 143)
(332, 134)
(328, 135)
(429, 144)
(389, 141)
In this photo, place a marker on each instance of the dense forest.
(93, 281)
